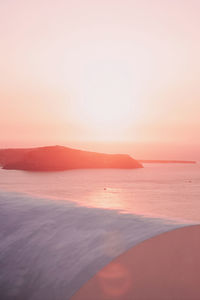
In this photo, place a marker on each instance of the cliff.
(9, 156)
(58, 158)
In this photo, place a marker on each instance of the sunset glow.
(107, 104)
(99, 71)
(99, 149)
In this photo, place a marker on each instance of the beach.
(99, 150)
(64, 234)
(50, 249)
(166, 266)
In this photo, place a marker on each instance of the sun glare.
(107, 111)
(107, 102)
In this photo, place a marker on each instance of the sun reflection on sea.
(108, 198)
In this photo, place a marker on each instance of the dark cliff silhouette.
(59, 158)
(9, 156)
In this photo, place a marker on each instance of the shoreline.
(51, 243)
(166, 266)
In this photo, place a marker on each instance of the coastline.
(47, 244)
(166, 266)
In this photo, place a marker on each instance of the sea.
(58, 229)
(159, 190)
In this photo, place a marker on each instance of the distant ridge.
(12, 155)
(59, 158)
(154, 161)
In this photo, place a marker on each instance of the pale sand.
(163, 267)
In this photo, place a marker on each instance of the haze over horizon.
(100, 75)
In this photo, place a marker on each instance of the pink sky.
(66, 66)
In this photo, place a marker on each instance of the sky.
(89, 72)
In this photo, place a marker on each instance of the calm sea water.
(160, 190)
(59, 229)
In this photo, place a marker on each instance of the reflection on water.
(49, 249)
(168, 190)
(108, 198)
(113, 198)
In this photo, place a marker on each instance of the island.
(154, 161)
(60, 158)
